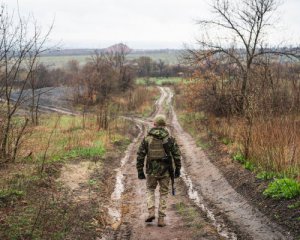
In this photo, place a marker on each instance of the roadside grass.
(32, 203)
(285, 188)
(192, 122)
(158, 80)
(141, 101)
(64, 137)
(283, 174)
(271, 144)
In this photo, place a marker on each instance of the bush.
(283, 188)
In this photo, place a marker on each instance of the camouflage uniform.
(156, 169)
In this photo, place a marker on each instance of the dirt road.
(205, 207)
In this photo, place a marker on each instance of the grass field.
(60, 61)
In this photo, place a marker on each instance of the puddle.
(222, 229)
(114, 210)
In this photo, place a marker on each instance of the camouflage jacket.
(157, 167)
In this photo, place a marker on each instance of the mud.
(114, 209)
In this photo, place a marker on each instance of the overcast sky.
(147, 24)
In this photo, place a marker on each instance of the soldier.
(153, 147)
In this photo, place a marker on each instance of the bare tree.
(19, 50)
(244, 25)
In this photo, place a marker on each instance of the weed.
(249, 166)
(239, 157)
(283, 188)
(189, 214)
(202, 144)
(87, 152)
(92, 182)
(267, 175)
(277, 216)
(10, 195)
(294, 206)
(226, 141)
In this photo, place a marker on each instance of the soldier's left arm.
(141, 154)
(176, 153)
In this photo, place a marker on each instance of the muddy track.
(223, 213)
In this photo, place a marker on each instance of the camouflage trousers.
(163, 183)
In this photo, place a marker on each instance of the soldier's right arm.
(176, 153)
(141, 154)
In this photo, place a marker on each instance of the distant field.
(159, 81)
(168, 57)
(60, 61)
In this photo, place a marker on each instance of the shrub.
(283, 188)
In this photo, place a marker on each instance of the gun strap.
(166, 147)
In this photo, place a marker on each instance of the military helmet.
(160, 121)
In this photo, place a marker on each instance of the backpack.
(155, 148)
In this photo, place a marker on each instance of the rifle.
(169, 161)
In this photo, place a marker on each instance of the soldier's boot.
(161, 222)
(151, 215)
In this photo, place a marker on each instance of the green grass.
(87, 152)
(68, 139)
(294, 206)
(284, 188)
(10, 195)
(226, 141)
(239, 157)
(268, 175)
(247, 164)
(158, 81)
